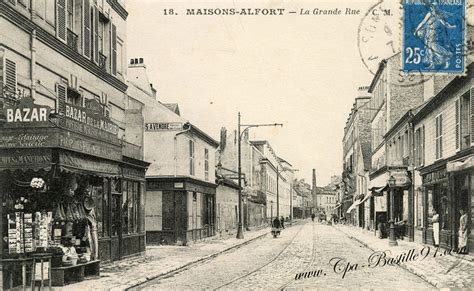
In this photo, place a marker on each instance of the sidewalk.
(440, 270)
(161, 260)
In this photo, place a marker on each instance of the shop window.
(125, 208)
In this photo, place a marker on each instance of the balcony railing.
(102, 61)
(72, 40)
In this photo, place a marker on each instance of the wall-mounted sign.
(163, 126)
(28, 138)
(89, 120)
(26, 112)
(76, 142)
(401, 177)
(179, 185)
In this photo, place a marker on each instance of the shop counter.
(68, 274)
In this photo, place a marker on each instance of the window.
(125, 211)
(463, 132)
(119, 57)
(191, 158)
(439, 136)
(73, 97)
(206, 164)
(70, 15)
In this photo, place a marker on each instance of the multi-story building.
(356, 157)
(63, 61)
(181, 183)
(443, 159)
(302, 199)
(326, 199)
(391, 99)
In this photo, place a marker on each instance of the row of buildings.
(79, 115)
(413, 140)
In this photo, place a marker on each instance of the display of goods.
(58, 214)
(69, 215)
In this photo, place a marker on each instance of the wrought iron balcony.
(102, 61)
(72, 40)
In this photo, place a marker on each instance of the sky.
(299, 70)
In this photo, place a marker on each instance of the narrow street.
(274, 263)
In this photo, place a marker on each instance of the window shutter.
(61, 92)
(10, 77)
(96, 34)
(423, 145)
(87, 28)
(457, 116)
(114, 49)
(472, 115)
(61, 19)
(437, 137)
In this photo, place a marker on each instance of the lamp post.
(240, 232)
(392, 241)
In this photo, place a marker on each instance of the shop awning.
(378, 191)
(76, 163)
(353, 206)
(460, 165)
(366, 197)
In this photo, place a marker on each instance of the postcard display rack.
(38, 222)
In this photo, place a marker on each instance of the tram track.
(266, 264)
(313, 257)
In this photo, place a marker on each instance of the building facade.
(443, 133)
(63, 61)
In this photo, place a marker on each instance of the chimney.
(223, 140)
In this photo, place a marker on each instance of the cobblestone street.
(274, 263)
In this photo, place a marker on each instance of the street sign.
(163, 126)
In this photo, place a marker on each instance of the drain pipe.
(187, 128)
(33, 64)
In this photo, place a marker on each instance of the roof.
(204, 136)
(173, 107)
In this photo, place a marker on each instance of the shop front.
(179, 210)
(67, 192)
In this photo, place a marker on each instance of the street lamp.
(240, 232)
(392, 241)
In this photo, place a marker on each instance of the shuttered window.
(61, 101)
(61, 18)
(10, 77)
(457, 116)
(439, 136)
(114, 49)
(96, 34)
(472, 115)
(87, 28)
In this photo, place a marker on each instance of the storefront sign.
(133, 173)
(25, 157)
(26, 112)
(401, 177)
(90, 121)
(28, 138)
(76, 142)
(163, 126)
(435, 177)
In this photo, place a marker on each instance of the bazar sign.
(26, 111)
(84, 115)
(163, 126)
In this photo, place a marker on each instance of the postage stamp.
(434, 36)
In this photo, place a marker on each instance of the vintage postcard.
(236, 145)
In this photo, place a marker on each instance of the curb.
(205, 258)
(410, 269)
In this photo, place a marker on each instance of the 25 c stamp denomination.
(434, 36)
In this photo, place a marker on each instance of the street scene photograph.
(236, 145)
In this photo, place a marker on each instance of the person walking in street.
(435, 221)
(462, 234)
(282, 221)
(313, 216)
(276, 222)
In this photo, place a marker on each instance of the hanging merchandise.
(69, 215)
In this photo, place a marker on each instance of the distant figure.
(313, 216)
(282, 221)
(463, 232)
(276, 222)
(435, 221)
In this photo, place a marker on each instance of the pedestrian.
(435, 221)
(276, 223)
(313, 216)
(282, 221)
(462, 233)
